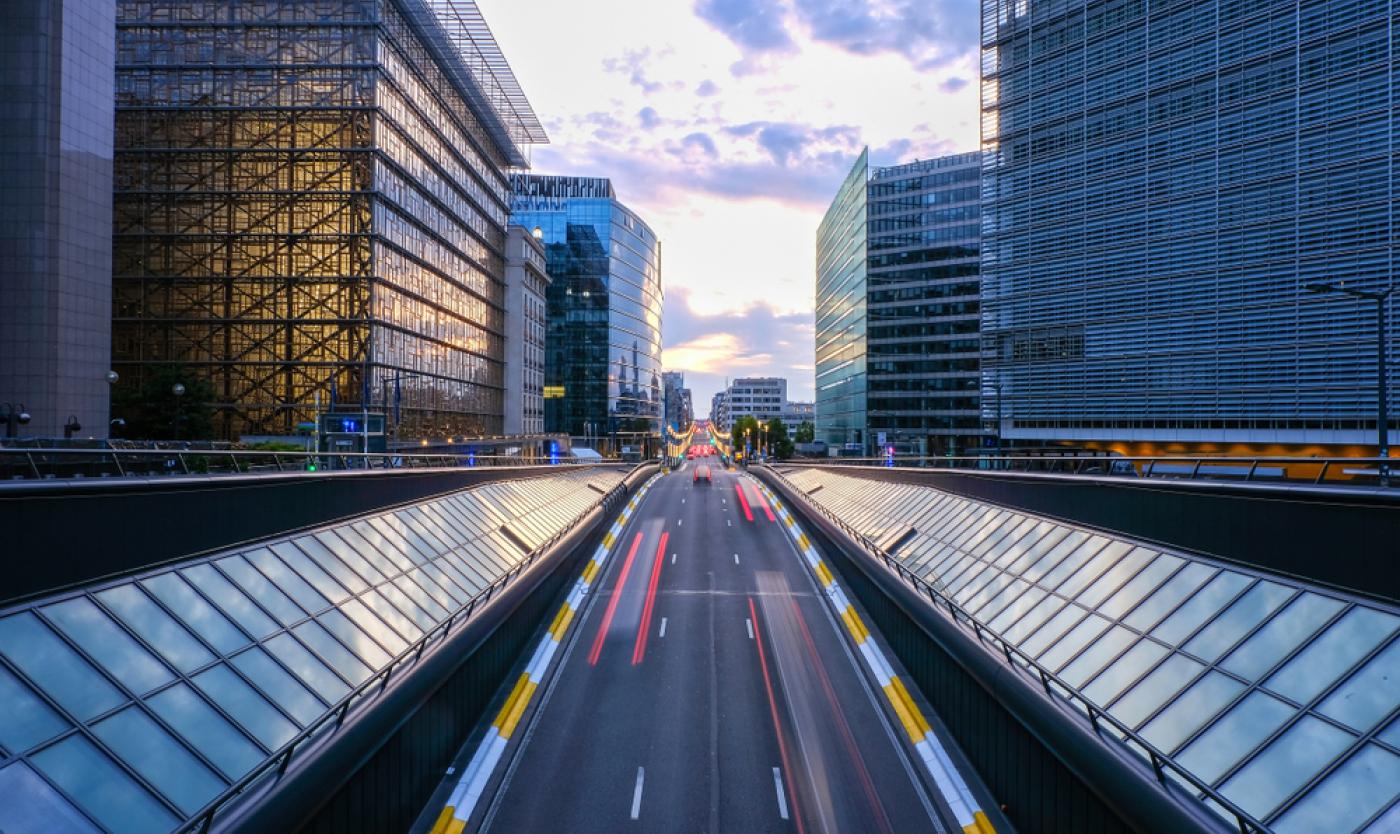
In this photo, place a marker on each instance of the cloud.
(701, 141)
(952, 85)
(927, 33)
(753, 26)
(632, 64)
(649, 118)
(707, 88)
(785, 141)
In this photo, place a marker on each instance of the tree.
(806, 432)
(779, 444)
(151, 410)
(746, 423)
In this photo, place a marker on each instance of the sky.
(728, 126)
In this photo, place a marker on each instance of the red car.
(702, 473)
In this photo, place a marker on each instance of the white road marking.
(728, 523)
(736, 558)
(663, 627)
(637, 793)
(778, 786)
(723, 501)
(673, 558)
(748, 624)
(680, 521)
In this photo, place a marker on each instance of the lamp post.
(15, 416)
(1382, 419)
(178, 389)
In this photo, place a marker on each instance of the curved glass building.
(603, 337)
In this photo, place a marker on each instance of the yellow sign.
(553, 392)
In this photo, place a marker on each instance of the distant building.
(762, 398)
(797, 413)
(527, 282)
(311, 202)
(677, 399)
(1163, 181)
(719, 410)
(56, 69)
(897, 347)
(603, 334)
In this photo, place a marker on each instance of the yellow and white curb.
(462, 801)
(963, 804)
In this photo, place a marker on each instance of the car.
(702, 473)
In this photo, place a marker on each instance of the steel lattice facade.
(311, 200)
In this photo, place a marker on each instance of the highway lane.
(706, 688)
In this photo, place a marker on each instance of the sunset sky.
(728, 125)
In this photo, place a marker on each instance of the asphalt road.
(707, 689)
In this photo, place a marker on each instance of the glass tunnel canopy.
(1284, 697)
(130, 706)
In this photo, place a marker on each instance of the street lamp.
(15, 416)
(1382, 420)
(178, 390)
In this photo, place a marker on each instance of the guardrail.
(1161, 764)
(23, 463)
(1344, 471)
(203, 820)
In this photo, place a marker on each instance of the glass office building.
(603, 336)
(922, 305)
(1163, 179)
(841, 315)
(897, 309)
(311, 200)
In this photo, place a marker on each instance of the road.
(706, 688)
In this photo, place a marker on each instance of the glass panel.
(1391, 735)
(1387, 823)
(1248, 611)
(1071, 643)
(29, 805)
(159, 758)
(206, 730)
(1139, 586)
(288, 693)
(1237, 732)
(55, 668)
(287, 579)
(380, 553)
(1168, 596)
(1285, 765)
(406, 604)
(353, 638)
(1047, 608)
(1120, 673)
(262, 589)
(1092, 659)
(1202, 605)
(352, 558)
(246, 706)
(1334, 652)
(230, 600)
(156, 627)
(1017, 609)
(102, 789)
(1289, 629)
(1363, 785)
(332, 652)
(1070, 564)
(332, 564)
(391, 615)
(1045, 555)
(311, 572)
(1151, 692)
(366, 620)
(1190, 712)
(1370, 694)
(197, 613)
(1051, 631)
(306, 666)
(25, 719)
(108, 645)
(1121, 572)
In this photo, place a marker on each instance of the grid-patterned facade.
(130, 706)
(311, 200)
(1163, 178)
(923, 305)
(1276, 695)
(603, 337)
(841, 314)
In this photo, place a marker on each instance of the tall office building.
(676, 399)
(841, 314)
(719, 410)
(761, 397)
(897, 309)
(56, 60)
(311, 199)
(1162, 182)
(603, 339)
(527, 285)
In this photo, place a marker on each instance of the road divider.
(467, 792)
(965, 807)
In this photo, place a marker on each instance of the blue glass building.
(1162, 181)
(841, 314)
(603, 333)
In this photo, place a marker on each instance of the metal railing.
(1332, 471)
(276, 765)
(32, 463)
(1163, 766)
